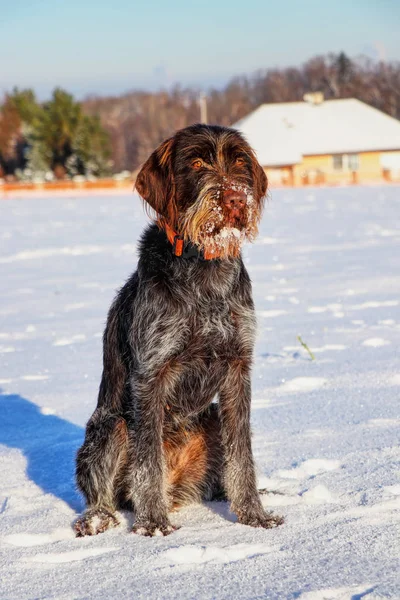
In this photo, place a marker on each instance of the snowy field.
(326, 432)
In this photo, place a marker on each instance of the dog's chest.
(219, 330)
(216, 336)
(213, 324)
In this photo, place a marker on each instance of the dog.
(179, 334)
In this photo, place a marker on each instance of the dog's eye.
(197, 164)
(239, 161)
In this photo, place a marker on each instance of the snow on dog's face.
(206, 183)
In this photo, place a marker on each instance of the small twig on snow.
(306, 347)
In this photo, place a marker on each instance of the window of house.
(347, 162)
(352, 162)
(338, 162)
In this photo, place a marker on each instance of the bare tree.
(138, 121)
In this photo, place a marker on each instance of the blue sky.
(101, 47)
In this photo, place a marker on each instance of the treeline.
(51, 139)
(70, 138)
(138, 121)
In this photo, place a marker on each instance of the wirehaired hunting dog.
(179, 333)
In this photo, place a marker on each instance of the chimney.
(314, 98)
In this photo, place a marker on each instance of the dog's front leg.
(148, 476)
(239, 478)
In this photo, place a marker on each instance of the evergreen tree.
(344, 68)
(32, 158)
(57, 135)
(26, 105)
(76, 142)
(91, 147)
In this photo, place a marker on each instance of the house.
(317, 141)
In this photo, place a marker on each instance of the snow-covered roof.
(282, 133)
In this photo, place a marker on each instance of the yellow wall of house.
(319, 169)
(323, 162)
(370, 165)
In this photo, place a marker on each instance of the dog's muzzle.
(234, 201)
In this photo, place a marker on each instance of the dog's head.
(206, 183)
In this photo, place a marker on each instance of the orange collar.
(179, 248)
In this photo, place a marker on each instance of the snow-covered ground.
(326, 432)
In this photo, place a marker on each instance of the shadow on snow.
(48, 443)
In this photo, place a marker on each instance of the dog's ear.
(155, 181)
(260, 180)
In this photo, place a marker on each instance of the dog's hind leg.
(99, 471)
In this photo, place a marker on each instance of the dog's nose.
(234, 199)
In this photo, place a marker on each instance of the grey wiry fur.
(179, 334)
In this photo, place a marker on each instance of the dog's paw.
(266, 520)
(150, 529)
(95, 521)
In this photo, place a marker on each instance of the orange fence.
(65, 186)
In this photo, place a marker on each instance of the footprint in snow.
(318, 495)
(375, 342)
(67, 557)
(310, 468)
(26, 540)
(395, 380)
(302, 384)
(197, 555)
(68, 341)
(6, 349)
(342, 593)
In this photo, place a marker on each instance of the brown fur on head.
(155, 182)
(206, 183)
